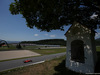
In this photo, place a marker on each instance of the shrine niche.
(77, 51)
(81, 51)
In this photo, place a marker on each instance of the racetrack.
(6, 65)
(4, 55)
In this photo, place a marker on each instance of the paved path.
(4, 55)
(6, 65)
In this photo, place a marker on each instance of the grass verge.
(49, 51)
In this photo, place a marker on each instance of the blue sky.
(13, 27)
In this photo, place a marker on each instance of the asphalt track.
(6, 65)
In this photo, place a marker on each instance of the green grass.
(49, 51)
(6, 48)
(31, 47)
(98, 48)
(35, 49)
(12, 47)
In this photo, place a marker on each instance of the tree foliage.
(18, 46)
(49, 15)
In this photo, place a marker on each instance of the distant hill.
(48, 42)
(10, 42)
(98, 39)
(55, 42)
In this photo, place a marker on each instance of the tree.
(18, 46)
(49, 15)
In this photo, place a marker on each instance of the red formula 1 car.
(27, 61)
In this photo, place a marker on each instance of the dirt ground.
(4, 55)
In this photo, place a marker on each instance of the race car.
(27, 61)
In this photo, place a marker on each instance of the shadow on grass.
(62, 70)
(97, 68)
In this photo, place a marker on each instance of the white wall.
(85, 35)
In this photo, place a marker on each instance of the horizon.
(13, 27)
(38, 40)
(41, 39)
